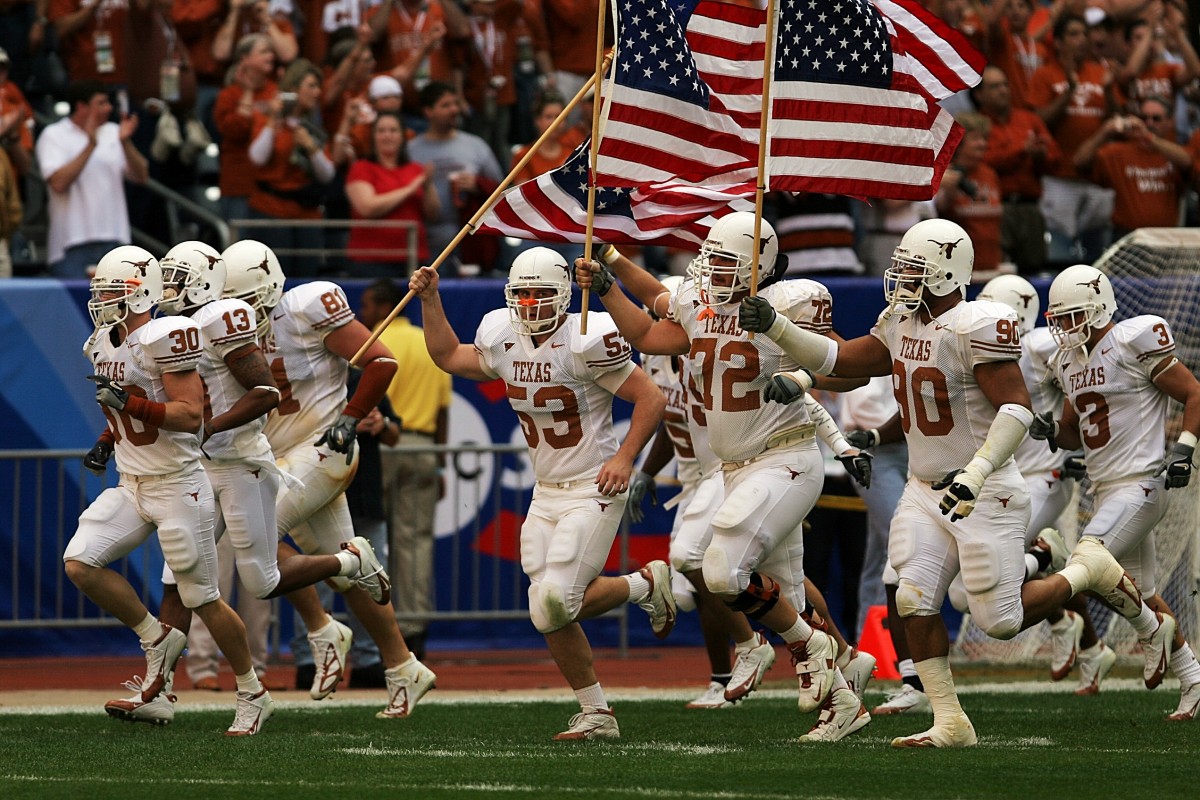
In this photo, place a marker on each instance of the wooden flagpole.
(763, 143)
(595, 148)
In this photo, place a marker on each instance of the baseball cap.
(384, 86)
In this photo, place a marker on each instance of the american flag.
(853, 106)
(553, 208)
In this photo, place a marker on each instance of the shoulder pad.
(226, 322)
(320, 305)
(803, 301)
(975, 314)
(604, 348)
(173, 343)
(1149, 337)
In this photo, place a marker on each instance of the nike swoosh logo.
(556, 344)
(277, 317)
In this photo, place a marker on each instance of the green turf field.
(1115, 745)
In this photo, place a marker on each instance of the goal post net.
(1153, 271)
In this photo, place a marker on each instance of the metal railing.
(49, 488)
(407, 255)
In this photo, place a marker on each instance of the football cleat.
(1064, 644)
(749, 667)
(814, 662)
(253, 711)
(1052, 542)
(161, 656)
(597, 724)
(842, 714)
(371, 576)
(902, 701)
(713, 697)
(329, 648)
(1157, 650)
(1094, 665)
(858, 670)
(660, 602)
(958, 732)
(1106, 577)
(158, 711)
(1189, 703)
(406, 685)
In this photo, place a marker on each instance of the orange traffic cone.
(877, 640)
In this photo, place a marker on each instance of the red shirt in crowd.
(1085, 113)
(384, 180)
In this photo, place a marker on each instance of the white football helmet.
(253, 274)
(193, 275)
(1081, 298)
(732, 238)
(537, 268)
(935, 254)
(128, 279)
(1016, 293)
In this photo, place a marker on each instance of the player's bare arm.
(441, 341)
(661, 337)
(1002, 383)
(185, 401)
(1177, 381)
(648, 406)
(250, 368)
(648, 290)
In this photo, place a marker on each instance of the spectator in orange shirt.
(1020, 150)
(572, 45)
(1147, 71)
(970, 192)
(352, 63)
(292, 168)
(388, 185)
(1139, 159)
(1073, 95)
(555, 151)
(93, 39)
(16, 121)
(255, 16)
(418, 38)
(249, 92)
(1013, 49)
(489, 85)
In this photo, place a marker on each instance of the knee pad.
(681, 588)
(180, 552)
(1002, 629)
(758, 598)
(259, 581)
(75, 550)
(195, 595)
(901, 546)
(979, 563)
(548, 607)
(908, 599)
(719, 577)
(958, 595)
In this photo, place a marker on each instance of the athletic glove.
(859, 466)
(788, 387)
(1178, 466)
(756, 315)
(341, 436)
(602, 280)
(638, 488)
(962, 489)
(1074, 467)
(1045, 427)
(108, 393)
(863, 440)
(96, 460)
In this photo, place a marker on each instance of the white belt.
(170, 476)
(562, 485)
(801, 433)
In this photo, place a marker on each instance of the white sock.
(639, 587)
(149, 629)
(1183, 664)
(591, 698)
(351, 563)
(907, 668)
(323, 629)
(1031, 566)
(800, 631)
(1062, 624)
(749, 644)
(396, 670)
(1145, 623)
(839, 680)
(249, 683)
(939, 686)
(844, 657)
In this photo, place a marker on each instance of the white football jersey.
(944, 413)
(166, 344)
(1038, 350)
(311, 379)
(226, 325)
(1122, 414)
(684, 418)
(565, 412)
(732, 370)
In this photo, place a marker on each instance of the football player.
(1119, 378)
(773, 471)
(308, 336)
(1072, 634)
(239, 391)
(149, 388)
(561, 386)
(963, 405)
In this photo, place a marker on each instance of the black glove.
(1074, 467)
(638, 488)
(959, 500)
(96, 460)
(602, 280)
(341, 436)
(788, 387)
(108, 393)
(862, 440)
(1044, 427)
(756, 315)
(859, 466)
(1178, 466)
